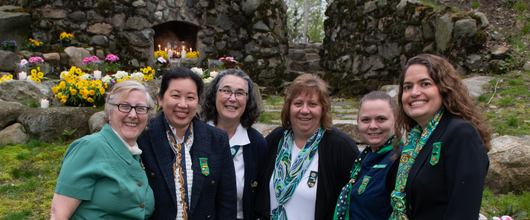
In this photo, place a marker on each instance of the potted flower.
(34, 45)
(148, 73)
(91, 63)
(9, 45)
(35, 69)
(66, 39)
(111, 66)
(161, 62)
(230, 63)
(78, 89)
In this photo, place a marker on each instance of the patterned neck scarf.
(342, 209)
(413, 145)
(286, 178)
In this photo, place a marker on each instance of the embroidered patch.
(435, 156)
(312, 179)
(380, 166)
(204, 166)
(362, 187)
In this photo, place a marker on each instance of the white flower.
(23, 62)
(86, 77)
(64, 74)
(137, 75)
(121, 74)
(106, 79)
(161, 60)
(207, 80)
(197, 70)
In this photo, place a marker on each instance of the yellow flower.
(151, 76)
(60, 95)
(149, 68)
(10, 77)
(102, 91)
(55, 89)
(146, 78)
(63, 100)
(91, 92)
(37, 43)
(73, 91)
(33, 71)
(106, 86)
(38, 68)
(128, 77)
(62, 85)
(90, 100)
(78, 71)
(37, 80)
(40, 75)
(85, 97)
(2, 80)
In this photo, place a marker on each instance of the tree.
(312, 19)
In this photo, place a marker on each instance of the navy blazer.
(452, 188)
(213, 196)
(255, 157)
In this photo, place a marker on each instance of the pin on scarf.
(204, 166)
(312, 179)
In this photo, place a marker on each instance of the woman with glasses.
(102, 174)
(231, 105)
(188, 162)
(308, 161)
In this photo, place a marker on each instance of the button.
(152, 174)
(213, 183)
(208, 217)
(142, 205)
(139, 183)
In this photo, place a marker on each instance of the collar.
(240, 136)
(135, 150)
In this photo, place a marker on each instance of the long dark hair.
(180, 73)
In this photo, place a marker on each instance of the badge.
(312, 179)
(379, 166)
(204, 166)
(362, 187)
(435, 156)
(254, 185)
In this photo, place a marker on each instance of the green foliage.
(295, 19)
(267, 117)
(513, 121)
(273, 100)
(32, 103)
(520, 6)
(475, 5)
(482, 98)
(508, 3)
(517, 206)
(69, 133)
(526, 28)
(505, 101)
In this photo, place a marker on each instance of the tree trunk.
(306, 20)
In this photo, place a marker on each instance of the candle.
(165, 49)
(213, 74)
(44, 103)
(183, 52)
(97, 74)
(22, 75)
(170, 53)
(159, 47)
(190, 49)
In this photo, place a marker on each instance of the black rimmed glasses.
(226, 93)
(126, 108)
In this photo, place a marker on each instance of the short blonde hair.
(308, 83)
(123, 89)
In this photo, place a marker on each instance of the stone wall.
(252, 31)
(367, 43)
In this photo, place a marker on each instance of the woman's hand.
(63, 207)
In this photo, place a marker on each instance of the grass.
(493, 204)
(267, 117)
(475, 5)
(32, 103)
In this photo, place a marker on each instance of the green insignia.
(362, 187)
(312, 179)
(379, 166)
(435, 156)
(204, 166)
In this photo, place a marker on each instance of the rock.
(473, 62)
(137, 23)
(97, 121)
(412, 32)
(260, 26)
(49, 124)
(224, 22)
(509, 164)
(153, 86)
(8, 60)
(249, 59)
(94, 17)
(476, 84)
(139, 3)
(369, 7)
(427, 31)
(14, 134)
(9, 112)
(391, 90)
(249, 6)
(497, 66)
(444, 31)
(99, 40)
(118, 20)
(77, 54)
(312, 56)
(52, 58)
(405, 4)
(49, 12)
(482, 20)
(77, 16)
(19, 90)
(100, 28)
(351, 130)
(371, 49)
(465, 28)
(389, 50)
(526, 66)
(499, 52)
(15, 24)
(297, 55)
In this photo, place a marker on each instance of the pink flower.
(112, 58)
(505, 217)
(161, 60)
(231, 59)
(91, 59)
(94, 58)
(36, 59)
(23, 62)
(86, 60)
(221, 59)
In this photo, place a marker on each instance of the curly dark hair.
(454, 94)
(209, 110)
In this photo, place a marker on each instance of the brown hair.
(378, 95)
(454, 94)
(308, 83)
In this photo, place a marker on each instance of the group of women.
(216, 166)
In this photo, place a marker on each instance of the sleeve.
(466, 168)
(226, 199)
(79, 171)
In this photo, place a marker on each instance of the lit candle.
(183, 52)
(170, 53)
(190, 49)
(213, 74)
(165, 49)
(44, 103)
(159, 47)
(22, 75)
(97, 74)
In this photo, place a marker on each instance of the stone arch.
(176, 32)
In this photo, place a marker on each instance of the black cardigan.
(336, 151)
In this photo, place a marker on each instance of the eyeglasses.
(126, 108)
(240, 95)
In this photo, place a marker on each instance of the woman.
(232, 106)
(369, 173)
(188, 163)
(101, 175)
(444, 160)
(317, 157)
